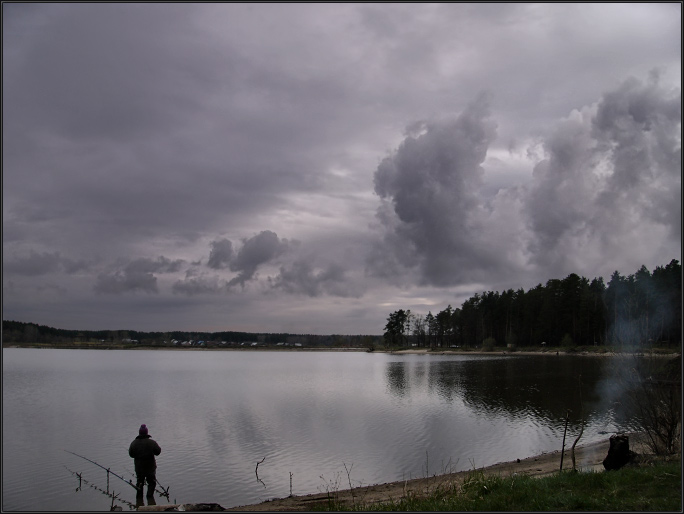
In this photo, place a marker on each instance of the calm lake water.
(216, 414)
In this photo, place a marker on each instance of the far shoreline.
(526, 351)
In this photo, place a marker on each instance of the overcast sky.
(310, 168)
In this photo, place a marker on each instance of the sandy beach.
(587, 457)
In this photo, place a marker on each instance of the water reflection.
(547, 387)
(396, 378)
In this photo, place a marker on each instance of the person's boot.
(139, 496)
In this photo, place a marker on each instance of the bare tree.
(653, 393)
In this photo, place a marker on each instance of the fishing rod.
(114, 497)
(163, 492)
(129, 482)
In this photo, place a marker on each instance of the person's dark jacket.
(142, 450)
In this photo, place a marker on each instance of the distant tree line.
(21, 332)
(642, 308)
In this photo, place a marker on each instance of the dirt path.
(587, 457)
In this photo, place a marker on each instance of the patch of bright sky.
(505, 168)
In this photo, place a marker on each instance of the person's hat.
(143, 429)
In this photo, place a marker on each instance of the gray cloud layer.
(189, 165)
(42, 263)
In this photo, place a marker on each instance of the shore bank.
(552, 351)
(587, 457)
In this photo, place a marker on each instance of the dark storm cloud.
(200, 285)
(302, 278)
(126, 281)
(432, 182)
(160, 265)
(221, 254)
(255, 251)
(137, 275)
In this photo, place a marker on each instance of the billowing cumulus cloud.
(609, 176)
(639, 127)
(432, 183)
(612, 172)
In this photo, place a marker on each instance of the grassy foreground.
(656, 487)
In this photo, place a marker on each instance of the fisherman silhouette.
(143, 450)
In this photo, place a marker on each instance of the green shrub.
(488, 344)
(567, 341)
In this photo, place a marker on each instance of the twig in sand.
(256, 472)
(351, 488)
(567, 416)
(572, 451)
